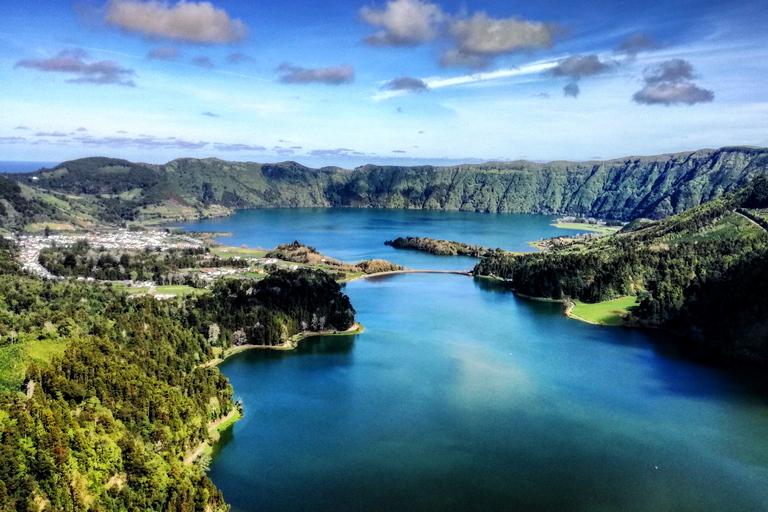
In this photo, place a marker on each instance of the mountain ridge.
(626, 188)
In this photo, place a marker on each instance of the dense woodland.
(116, 391)
(696, 273)
(441, 247)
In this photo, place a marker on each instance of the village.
(127, 240)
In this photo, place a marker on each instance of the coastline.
(215, 427)
(568, 304)
(291, 344)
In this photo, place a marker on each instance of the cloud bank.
(636, 43)
(406, 83)
(190, 22)
(481, 38)
(403, 23)
(73, 62)
(572, 90)
(475, 39)
(203, 62)
(669, 83)
(238, 58)
(577, 66)
(163, 53)
(334, 75)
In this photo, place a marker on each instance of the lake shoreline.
(291, 344)
(568, 304)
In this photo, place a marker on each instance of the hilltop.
(626, 188)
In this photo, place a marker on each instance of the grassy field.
(608, 312)
(603, 230)
(180, 290)
(231, 252)
(56, 226)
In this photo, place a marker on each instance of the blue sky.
(346, 82)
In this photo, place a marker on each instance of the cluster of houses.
(31, 245)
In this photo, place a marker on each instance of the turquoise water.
(354, 234)
(460, 396)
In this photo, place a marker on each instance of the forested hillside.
(16, 209)
(698, 272)
(103, 396)
(626, 188)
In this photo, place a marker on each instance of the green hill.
(700, 273)
(626, 188)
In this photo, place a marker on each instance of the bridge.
(467, 273)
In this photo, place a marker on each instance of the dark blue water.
(459, 396)
(14, 166)
(354, 234)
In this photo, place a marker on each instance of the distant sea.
(13, 166)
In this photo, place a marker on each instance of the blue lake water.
(460, 396)
(353, 234)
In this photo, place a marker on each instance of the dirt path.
(568, 310)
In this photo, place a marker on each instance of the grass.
(42, 352)
(603, 230)
(180, 290)
(231, 252)
(57, 226)
(608, 312)
(14, 360)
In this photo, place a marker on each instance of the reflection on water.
(354, 234)
(460, 396)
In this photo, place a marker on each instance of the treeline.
(117, 393)
(300, 253)
(270, 311)
(441, 247)
(672, 266)
(81, 260)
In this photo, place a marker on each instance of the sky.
(404, 82)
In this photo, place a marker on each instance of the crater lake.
(461, 396)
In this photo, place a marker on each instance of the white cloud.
(404, 23)
(669, 93)
(193, 22)
(482, 35)
(334, 75)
